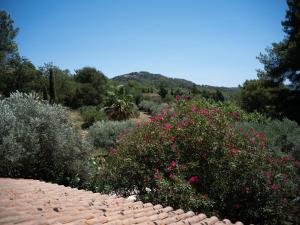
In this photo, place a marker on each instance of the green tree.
(7, 35)
(65, 85)
(19, 74)
(162, 91)
(218, 96)
(91, 89)
(281, 73)
(119, 104)
(282, 61)
(195, 90)
(16, 72)
(52, 92)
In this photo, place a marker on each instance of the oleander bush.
(103, 134)
(90, 115)
(38, 141)
(282, 135)
(196, 158)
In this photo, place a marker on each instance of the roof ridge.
(27, 201)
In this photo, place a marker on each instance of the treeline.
(86, 87)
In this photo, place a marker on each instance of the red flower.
(173, 163)
(274, 187)
(194, 109)
(233, 151)
(177, 97)
(284, 158)
(171, 176)
(112, 151)
(194, 179)
(172, 138)
(167, 126)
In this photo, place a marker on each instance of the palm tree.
(119, 105)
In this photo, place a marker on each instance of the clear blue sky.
(208, 42)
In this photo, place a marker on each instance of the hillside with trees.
(230, 152)
(153, 83)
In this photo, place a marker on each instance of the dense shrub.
(90, 115)
(282, 135)
(196, 159)
(103, 134)
(119, 105)
(152, 107)
(37, 141)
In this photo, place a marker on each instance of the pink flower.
(204, 111)
(285, 158)
(167, 126)
(177, 97)
(194, 109)
(274, 187)
(172, 138)
(171, 176)
(169, 168)
(153, 119)
(112, 151)
(194, 179)
(233, 151)
(173, 163)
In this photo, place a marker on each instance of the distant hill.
(147, 79)
(154, 80)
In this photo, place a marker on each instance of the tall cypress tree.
(52, 93)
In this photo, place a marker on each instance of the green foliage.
(52, 92)
(281, 64)
(162, 91)
(283, 136)
(103, 134)
(7, 35)
(119, 105)
(274, 101)
(65, 85)
(38, 141)
(91, 87)
(90, 115)
(194, 158)
(19, 74)
(282, 61)
(152, 107)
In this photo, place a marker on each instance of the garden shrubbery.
(90, 115)
(103, 134)
(152, 107)
(283, 136)
(196, 158)
(38, 141)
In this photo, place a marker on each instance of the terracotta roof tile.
(32, 202)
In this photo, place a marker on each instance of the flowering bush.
(282, 135)
(196, 159)
(38, 141)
